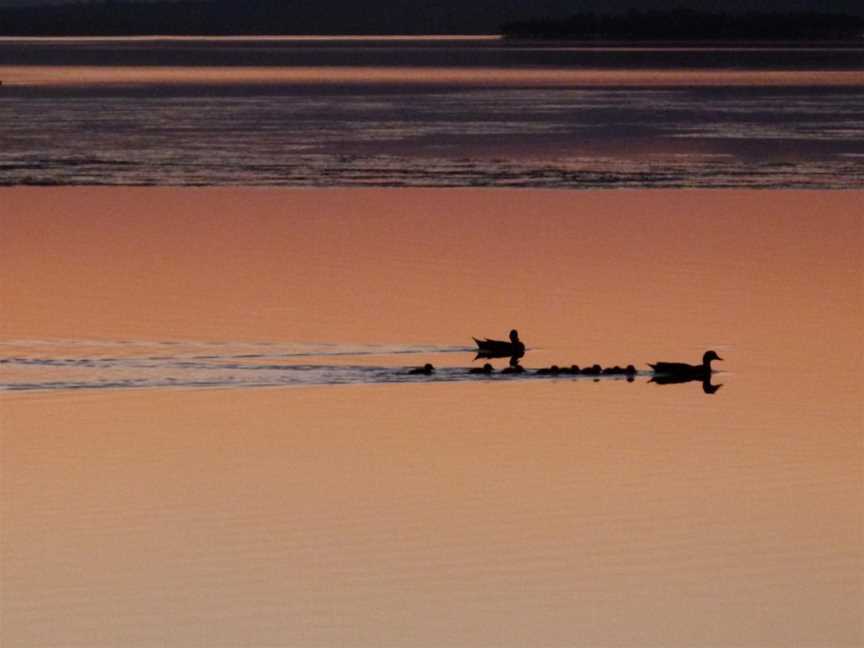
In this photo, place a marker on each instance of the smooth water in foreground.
(421, 112)
(498, 512)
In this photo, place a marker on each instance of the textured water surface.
(33, 365)
(324, 113)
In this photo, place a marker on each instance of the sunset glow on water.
(210, 432)
(342, 506)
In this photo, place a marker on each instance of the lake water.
(208, 433)
(208, 437)
(427, 112)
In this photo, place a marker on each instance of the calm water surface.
(324, 112)
(444, 511)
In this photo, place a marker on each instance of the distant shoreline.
(680, 25)
(491, 39)
(241, 37)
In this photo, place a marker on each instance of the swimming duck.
(426, 370)
(593, 370)
(499, 348)
(682, 369)
(485, 369)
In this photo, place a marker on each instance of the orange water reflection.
(36, 75)
(609, 277)
(469, 514)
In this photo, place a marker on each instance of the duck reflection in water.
(707, 386)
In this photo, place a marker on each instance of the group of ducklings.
(593, 370)
(573, 370)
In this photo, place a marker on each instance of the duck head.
(710, 388)
(514, 336)
(708, 357)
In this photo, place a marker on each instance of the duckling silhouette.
(685, 370)
(513, 369)
(485, 369)
(554, 370)
(426, 370)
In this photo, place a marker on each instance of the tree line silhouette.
(259, 17)
(689, 25)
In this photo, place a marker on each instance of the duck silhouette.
(513, 349)
(485, 369)
(683, 370)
